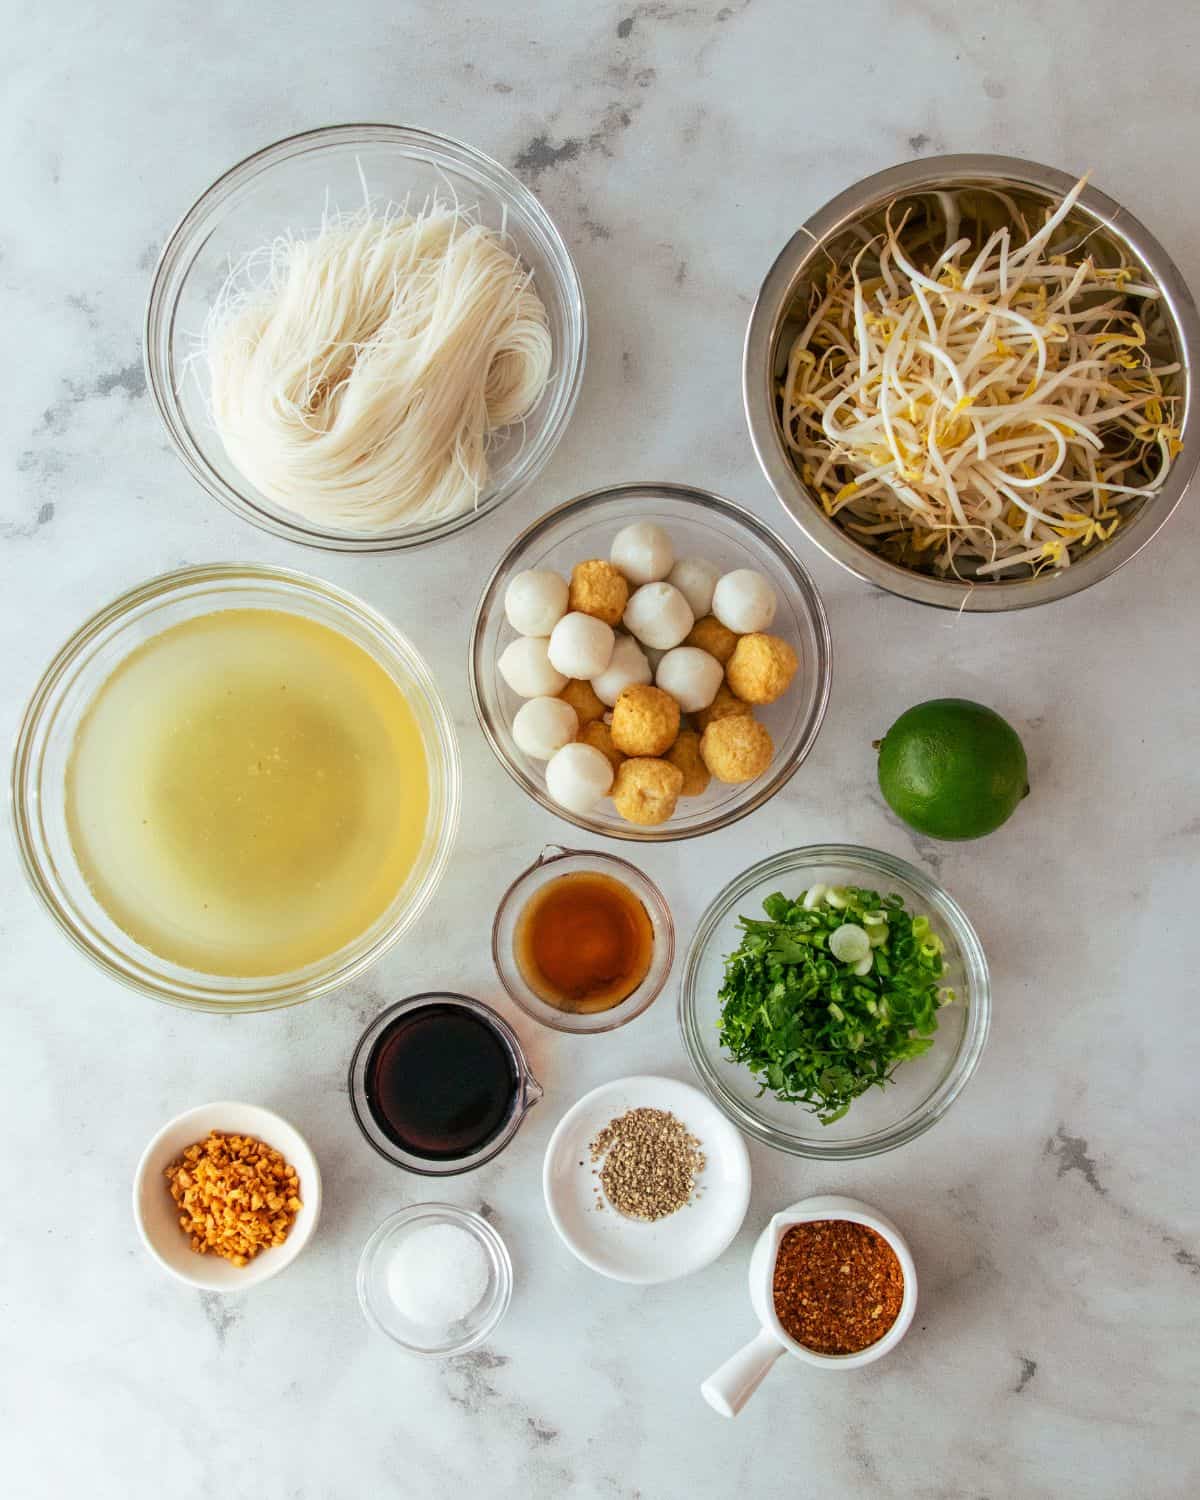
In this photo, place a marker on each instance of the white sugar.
(437, 1275)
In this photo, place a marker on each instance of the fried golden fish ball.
(685, 753)
(646, 790)
(582, 697)
(724, 706)
(599, 736)
(599, 589)
(711, 636)
(736, 748)
(645, 721)
(761, 668)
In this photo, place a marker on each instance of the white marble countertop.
(1055, 1213)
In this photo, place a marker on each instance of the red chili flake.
(838, 1286)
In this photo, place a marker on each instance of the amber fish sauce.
(584, 942)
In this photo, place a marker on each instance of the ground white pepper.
(650, 1162)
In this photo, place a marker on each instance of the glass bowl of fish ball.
(235, 787)
(285, 190)
(700, 525)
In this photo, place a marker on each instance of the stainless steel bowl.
(845, 221)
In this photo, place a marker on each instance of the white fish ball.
(581, 645)
(543, 725)
(535, 601)
(691, 676)
(627, 668)
(525, 666)
(744, 601)
(643, 552)
(659, 616)
(578, 777)
(695, 579)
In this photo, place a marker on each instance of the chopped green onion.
(849, 943)
(814, 1028)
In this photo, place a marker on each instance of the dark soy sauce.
(440, 1082)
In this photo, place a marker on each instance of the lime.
(952, 769)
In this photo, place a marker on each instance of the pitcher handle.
(728, 1389)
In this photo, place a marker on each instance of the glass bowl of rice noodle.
(286, 190)
(1097, 226)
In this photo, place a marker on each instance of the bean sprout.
(988, 408)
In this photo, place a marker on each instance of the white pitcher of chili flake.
(833, 1282)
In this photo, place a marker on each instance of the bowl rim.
(26, 760)
(623, 1012)
(474, 1223)
(177, 254)
(649, 1083)
(261, 1267)
(771, 304)
(813, 606)
(875, 862)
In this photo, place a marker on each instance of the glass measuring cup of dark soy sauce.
(439, 1084)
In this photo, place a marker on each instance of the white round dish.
(157, 1217)
(627, 1249)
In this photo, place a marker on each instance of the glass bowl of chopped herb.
(834, 1001)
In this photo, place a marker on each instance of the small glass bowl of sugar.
(436, 1279)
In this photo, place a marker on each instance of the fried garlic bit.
(236, 1196)
(971, 403)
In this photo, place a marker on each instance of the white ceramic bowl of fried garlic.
(157, 1215)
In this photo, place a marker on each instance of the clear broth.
(247, 793)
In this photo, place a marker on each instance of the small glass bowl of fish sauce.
(582, 941)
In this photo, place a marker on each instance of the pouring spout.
(728, 1389)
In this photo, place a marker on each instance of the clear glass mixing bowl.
(699, 524)
(285, 188)
(66, 690)
(923, 1088)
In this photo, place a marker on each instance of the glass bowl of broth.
(235, 787)
(583, 941)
